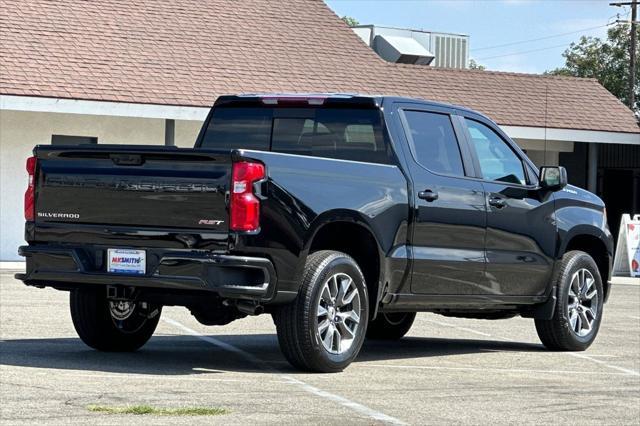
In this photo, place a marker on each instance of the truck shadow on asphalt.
(186, 355)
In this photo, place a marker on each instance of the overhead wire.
(539, 38)
(522, 52)
(609, 23)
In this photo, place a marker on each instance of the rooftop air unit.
(417, 47)
(403, 50)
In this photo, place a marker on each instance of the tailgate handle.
(127, 159)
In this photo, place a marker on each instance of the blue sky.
(495, 22)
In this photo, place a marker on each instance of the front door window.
(497, 160)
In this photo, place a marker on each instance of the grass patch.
(147, 409)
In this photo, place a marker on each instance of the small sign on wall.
(627, 257)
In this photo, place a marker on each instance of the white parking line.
(376, 415)
(364, 410)
(573, 354)
(468, 330)
(599, 361)
(499, 370)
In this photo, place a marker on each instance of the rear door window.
(433, 142)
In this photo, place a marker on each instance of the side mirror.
(553, 177)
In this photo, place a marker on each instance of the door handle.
(497, 202)
(428, 195)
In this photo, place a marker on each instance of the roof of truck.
(361, 98)
(189, 52)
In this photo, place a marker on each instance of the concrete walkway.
(625, 280)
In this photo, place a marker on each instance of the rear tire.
(112, 327)
(579, 302)
(390, 326)
(323, 329)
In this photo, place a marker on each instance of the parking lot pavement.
(447, 370)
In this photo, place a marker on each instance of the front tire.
(112, 325)
(390, 326)
(323, 329)
(579, 304)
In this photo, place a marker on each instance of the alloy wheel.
(582, 303)
(130, 316)
(338, 313)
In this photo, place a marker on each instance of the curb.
(625, 281)
(12, 266)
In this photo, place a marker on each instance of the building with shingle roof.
(146, 72)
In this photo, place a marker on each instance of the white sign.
(627, 257)
(127, 261)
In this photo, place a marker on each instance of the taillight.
(244, 205)
(30, 193)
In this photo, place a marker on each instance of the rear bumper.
(233, 277)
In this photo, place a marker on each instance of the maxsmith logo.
(58, 215)
(127, 260)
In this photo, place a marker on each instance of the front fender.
(574, 224)
(575, 220)
(601, 234)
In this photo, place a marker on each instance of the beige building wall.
(21, 131)
(187, 132)
(544, 153)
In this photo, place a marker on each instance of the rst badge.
(121, 261)
(210, 222)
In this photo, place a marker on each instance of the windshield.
(343, 133)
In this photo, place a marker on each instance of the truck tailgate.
(133, 186)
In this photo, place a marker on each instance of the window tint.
(434, 142)
(349, 134)
(497, 160)
(234, 128)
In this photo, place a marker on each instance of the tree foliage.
(606, 60)
(352, 22)
(473, 65)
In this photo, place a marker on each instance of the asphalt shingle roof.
(188, 52)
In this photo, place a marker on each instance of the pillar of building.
(169, 132)
(592, 167)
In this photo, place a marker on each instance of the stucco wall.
(20, 131)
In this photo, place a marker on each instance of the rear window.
(342, 133)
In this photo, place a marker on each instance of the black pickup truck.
(340, 215)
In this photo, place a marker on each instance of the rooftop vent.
(402, 50)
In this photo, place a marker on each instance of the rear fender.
(349, 218)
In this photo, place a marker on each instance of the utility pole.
(632, 55)
(632, 48)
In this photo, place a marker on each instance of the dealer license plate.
(122, 261)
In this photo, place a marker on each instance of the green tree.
(606, 60)
(473, 65)
(352, 22)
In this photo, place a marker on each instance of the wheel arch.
(350, 233)
(592, 241)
